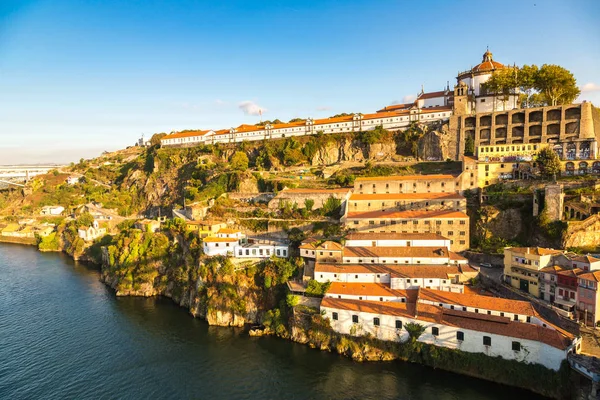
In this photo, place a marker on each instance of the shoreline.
(373, 350)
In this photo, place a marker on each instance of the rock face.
(437, 145)
(583, 233)
(506, 224)
(348, 149)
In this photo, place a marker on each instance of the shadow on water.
(88, 343)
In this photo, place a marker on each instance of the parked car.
(485, 265)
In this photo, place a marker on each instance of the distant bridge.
(24, 172)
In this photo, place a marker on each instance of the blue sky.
(80, 77)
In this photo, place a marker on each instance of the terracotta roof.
(586, 259)
(456, 257)
(571, 273)
(433, 95)
(395, 107)
(398, 271)
(308, 191)
(249, 128)
(289, 125)
(414, 214)
(229, 230)
(212, 239)
(185, 134)
(364, 289)
(590, 276)
(394, 236)
(465, 320)
(310, 246)
(552, 269)
(384, 114)
(430, 252)
(330, 245)
(407, 196)
(478, 301)
(538, 251)
(324, 121)
(431, 177)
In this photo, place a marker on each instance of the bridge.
(17, 175)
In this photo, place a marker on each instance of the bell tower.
(461, 99)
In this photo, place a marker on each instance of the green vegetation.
(49, 243)
(548, 162)
(317, 289)
(239, 161)
(547, 85)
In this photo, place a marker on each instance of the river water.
(63, 334)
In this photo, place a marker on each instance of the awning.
(565, 303)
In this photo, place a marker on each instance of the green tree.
(503, 83)
(309, 204)
(296, 120)
(548, 162)
(469, 146)
(557, 84)
(526, 81)
(155, 139)
(239, 161)
(85, 219)
(414, 330)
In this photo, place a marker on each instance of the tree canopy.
(239, 161)
(548, 162)
(548, 85)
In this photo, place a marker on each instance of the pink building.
(587, 296)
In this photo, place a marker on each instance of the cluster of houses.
(380, 282)
(25, 229)
(566, 280)
(234, 243)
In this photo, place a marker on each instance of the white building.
(52, 210)
(466, 331)
(401, 255)
(90, 233)
(72, 180)
(232, 242)
(388, 239)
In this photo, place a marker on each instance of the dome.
(487, 63)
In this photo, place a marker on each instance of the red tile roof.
(363, 289)
(178, 135)
(432, 177)
(433, 95)
(420, 252)
(394, 236)
(415, 214)
(407, 196)
(465, 320)
(538, 251)
(398, 271)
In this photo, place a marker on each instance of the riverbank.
(18, 240)
(225, 297)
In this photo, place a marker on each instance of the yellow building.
(407, 201)
(522, 267)
(205, 228)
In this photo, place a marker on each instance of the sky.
(81, 77)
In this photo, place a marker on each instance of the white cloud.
(323, 108)
(409, 98)
(590, 87)
(251, 108)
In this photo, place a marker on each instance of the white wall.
(399, 243)
(531, 352)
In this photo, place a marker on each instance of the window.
(334, 316)
(398, 324)
(487, 341)
(355, 319)
(464, 308)
(376, 321)
(435, 331)
(516, 346)
(460, 336)
(477, 311)
(529, 319)
(516, 317)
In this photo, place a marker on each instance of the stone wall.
(584, 234)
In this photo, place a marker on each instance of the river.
(64, 334)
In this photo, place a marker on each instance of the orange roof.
(308, 191)
(364, 289)
(456, 257)
(590, 276)
(212, 239)
(185, 134)
(459, 319)
(552, 269)
(229, 230)
(586, 259)
(395, 107)
(324, 121)
(538, 251)
(414, 214)
(431, 177)
(330, 245)
(394, 236)
(572, 273)
(407, 196)
(384, 114)
(249, 128)
(420, 252)
(397, 271)
(478, 301)
(433, 95)
(289, 125)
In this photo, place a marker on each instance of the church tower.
(461, 99)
